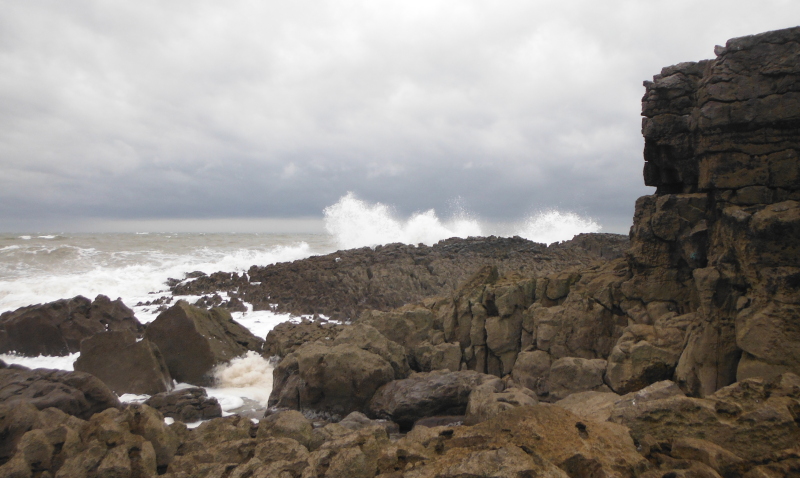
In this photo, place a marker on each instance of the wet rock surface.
(57, 328)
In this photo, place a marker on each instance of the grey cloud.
(149, 110)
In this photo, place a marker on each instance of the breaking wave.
(356, 223)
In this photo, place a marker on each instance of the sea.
(40, 267)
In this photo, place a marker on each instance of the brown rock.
(124, 364)
(426, 394)
(333, 380)
(187, 405)
(75, 393)
(193, 341)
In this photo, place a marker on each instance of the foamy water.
(39, 268)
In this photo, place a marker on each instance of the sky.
(116, 115)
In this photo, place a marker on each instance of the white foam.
(356, 223)
(248, 376)
(131, 275)
(42, 361)
(555, 226)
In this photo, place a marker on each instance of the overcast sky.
(116, 113)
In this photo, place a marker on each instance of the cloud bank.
(156, 111)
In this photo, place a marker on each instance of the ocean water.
(42, 267)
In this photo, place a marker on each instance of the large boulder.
(427, 394)
(334, 380)
(57, 328)
(75, 393)
(124, 364)
(194, 340)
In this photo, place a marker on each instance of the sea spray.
(356, 223)
(552, 226)
(248, 376)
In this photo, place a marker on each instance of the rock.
(486, 402)
(531, 370)
(343, 284)
(286, 424)
(444, 356)
(57, 328)
(426, 394)
(124, 364)
(596, 406)
(332, 380)
(570, 374)
(187, 405)
(193, 341)
(641, 357)
(75, 393)
(716, 457)
(750, 418)
(359, 421)
(538, 440)
(368, 338)
(286, 337)
(15, 420)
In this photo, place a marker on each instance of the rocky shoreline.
(674, 353)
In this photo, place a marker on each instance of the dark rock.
(75, 393)
(124, 364)
(427, 394)
(194, 340)
(57, 328)
(345, 283)
(187, 405)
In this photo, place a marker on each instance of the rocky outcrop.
(344, 284)
(124, 364)
(187, 405)
(57, 328)
(194, 340)
(74, 393)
